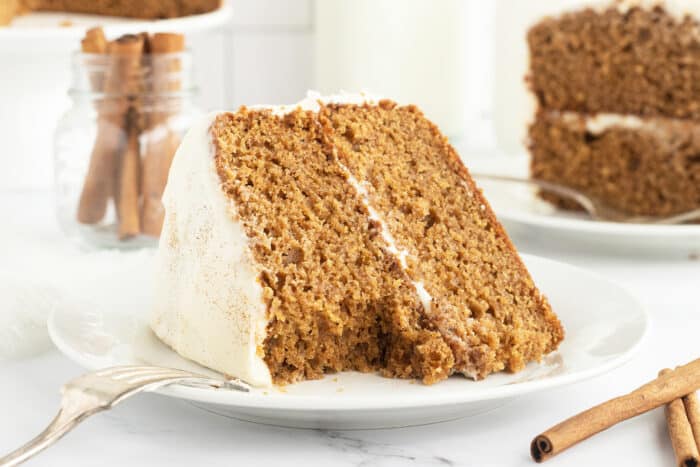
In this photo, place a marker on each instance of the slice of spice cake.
(481, 297)
(286, 255)
(618, 103)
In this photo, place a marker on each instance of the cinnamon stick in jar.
(122, 80)
(126, 55)
(664, 389)
(125, 78)
(98, 187)
(161, 141)
(680, 432)
(129, 174)
(95, 43)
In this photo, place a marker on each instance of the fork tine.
(145, 377)
(113, 371)
(124, 373)
(137, 372)
(141, 374)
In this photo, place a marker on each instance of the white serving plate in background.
(604, 327)
(52, 25)
(524, 213)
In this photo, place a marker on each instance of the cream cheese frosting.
(208, 302)
(514, 104)
(400, 253)
(599, 123)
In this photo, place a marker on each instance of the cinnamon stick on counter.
(161, 141)
(692, 410)
(667, 387)
(680, 432)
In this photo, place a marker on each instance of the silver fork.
(103, 389)
(595, 208)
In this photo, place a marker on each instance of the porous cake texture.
(360, 243)
(618, 104)
(642, 167)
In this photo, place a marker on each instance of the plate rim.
(266, 399)
(497, 162)
(616, 229)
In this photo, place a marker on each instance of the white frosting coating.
(514, 104)
(313, 98)
(208, 304)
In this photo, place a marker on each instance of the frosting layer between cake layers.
(600, 123)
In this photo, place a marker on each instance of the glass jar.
(114, 146)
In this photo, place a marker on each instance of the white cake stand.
(49, 25)
(35, 74)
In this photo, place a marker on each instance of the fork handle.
(65, 421)
(77, 406)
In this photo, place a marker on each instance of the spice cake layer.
(622, 59)
(639, 166)
(335, 237)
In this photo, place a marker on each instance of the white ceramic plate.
(524, 213)
(604, 326)
(58, 25)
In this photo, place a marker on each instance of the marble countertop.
(152, 430)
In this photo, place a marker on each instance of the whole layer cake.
(339, 234)
(617, 89)
(145, 9)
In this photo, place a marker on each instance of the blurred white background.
(268, 51)
(267, 54)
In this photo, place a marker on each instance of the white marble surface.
(151, 430)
